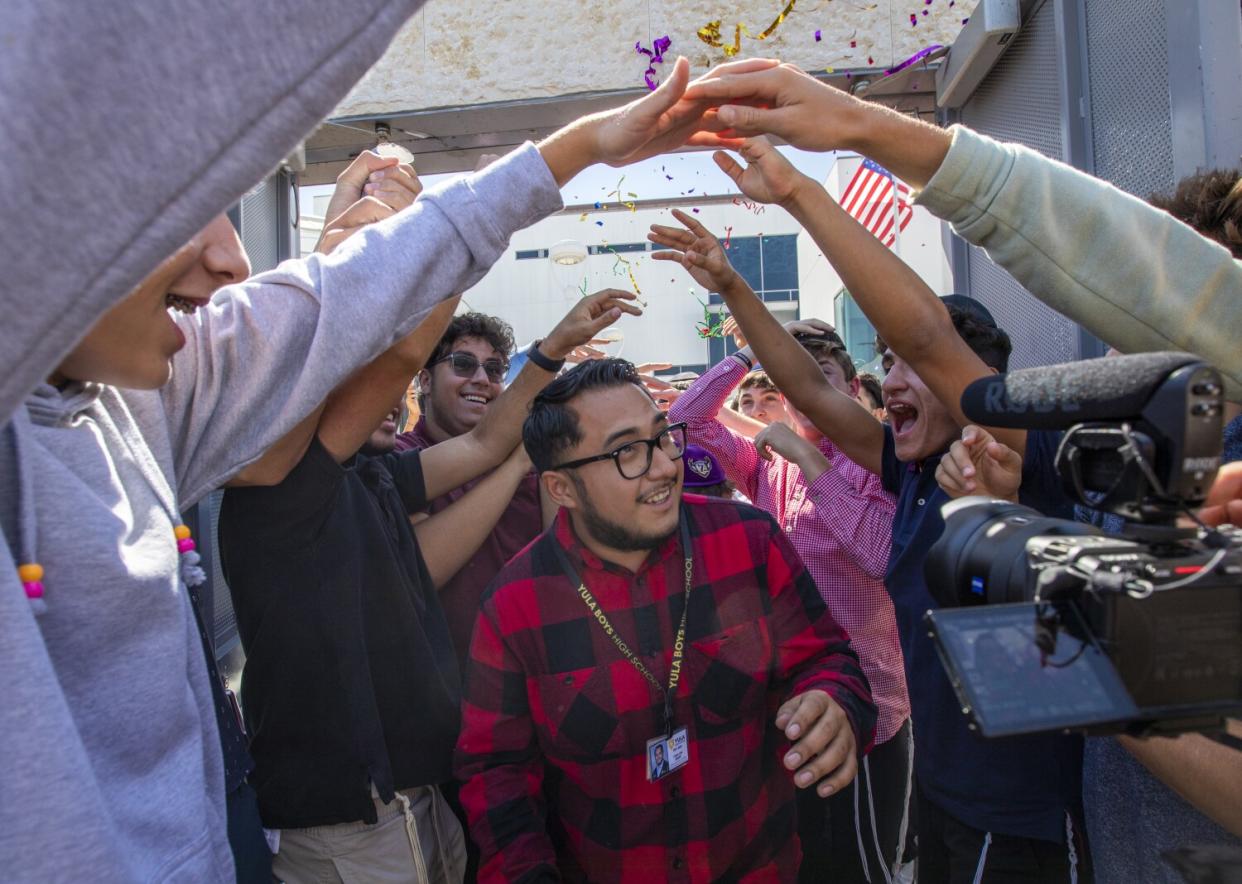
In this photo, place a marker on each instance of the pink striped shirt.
(840, 524)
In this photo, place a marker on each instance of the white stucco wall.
(464, 52)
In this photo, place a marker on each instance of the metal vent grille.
(259, 220)
(1131, 120)
(1020, 100)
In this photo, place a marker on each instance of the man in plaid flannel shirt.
(567, 681)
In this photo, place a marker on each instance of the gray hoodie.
(112, 764)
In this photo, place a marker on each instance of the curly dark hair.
(1211, 203)
(492, 329)
(552, 427)
(990, 343)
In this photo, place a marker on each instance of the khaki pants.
(416, 840)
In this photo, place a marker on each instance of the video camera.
(1048, 624)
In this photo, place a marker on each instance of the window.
(857, 332)
(769, 264)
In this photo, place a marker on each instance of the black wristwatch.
(550, 365)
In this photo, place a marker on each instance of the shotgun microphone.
(1056, 397)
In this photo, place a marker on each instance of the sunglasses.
(466, 365)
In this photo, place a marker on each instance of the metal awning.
(453, 139)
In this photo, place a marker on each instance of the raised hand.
(730, 327)
(768, 176)
(385, 187)
(782, 100)
(651, 125)
(696, 249)
(785, 101)
(587, 318)
(978, 464)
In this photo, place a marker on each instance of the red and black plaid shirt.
(555, 720)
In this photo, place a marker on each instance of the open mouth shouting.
(903, 418)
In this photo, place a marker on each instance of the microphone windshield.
(1056, 397)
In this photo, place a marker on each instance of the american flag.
(869, 198)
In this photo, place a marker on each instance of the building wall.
(533, 293)
(467, 52)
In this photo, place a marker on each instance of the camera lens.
(981, 557)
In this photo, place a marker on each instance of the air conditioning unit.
(978, 46)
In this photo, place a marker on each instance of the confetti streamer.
(622, 265)
(583, 288)
(710, 32)
(728, 236)
(913, 59)
(617, 194)
(655, 55)
(712, 325)
(757, 208)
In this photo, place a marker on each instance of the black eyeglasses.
(465, 365)
(633, 459)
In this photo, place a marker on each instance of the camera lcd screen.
(1010, 686)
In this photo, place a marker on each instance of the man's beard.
(612, 534)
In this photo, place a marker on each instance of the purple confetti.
(818, 36)
(656, 55)
(696, 211)
(913, 59)
(924, 12)
(599, 223)
(669, 177)
(691, 190)
(914, 19)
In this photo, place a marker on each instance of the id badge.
(667, 754)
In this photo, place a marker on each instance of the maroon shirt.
(517, 527)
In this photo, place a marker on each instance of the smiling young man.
(464, 375)
(643, 618)
(992, 808)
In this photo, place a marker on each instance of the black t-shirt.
(350, 675)
(1019, 786)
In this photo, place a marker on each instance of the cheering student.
(642, 618)
(985, 806)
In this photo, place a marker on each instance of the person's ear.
(855, 386)
(559, 489)
(423, 380)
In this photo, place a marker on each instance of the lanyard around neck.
(679, 641)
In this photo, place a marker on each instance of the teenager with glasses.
(642, 619)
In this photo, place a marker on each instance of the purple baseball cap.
(701, 468)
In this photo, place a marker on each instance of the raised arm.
(794, 371)
(905, 312)
(305, 326)
(450, 538)
(1059, 231)
(456, 461)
